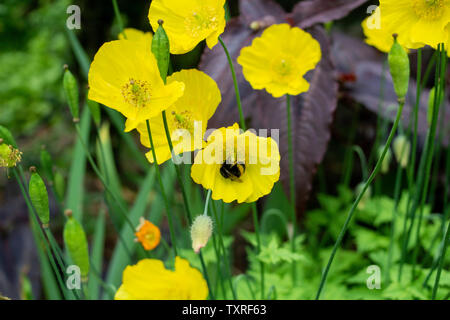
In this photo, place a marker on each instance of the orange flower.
(147, 234)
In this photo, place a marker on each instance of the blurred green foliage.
(32, 53)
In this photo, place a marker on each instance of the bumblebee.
(232, 171)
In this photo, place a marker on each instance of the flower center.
(232, 171)
(201, 22)
(183, 120)
(150, 237)
(136, 93)
(429, 9)
(283, 68)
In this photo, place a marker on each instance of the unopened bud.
(402, 150)
(201, 231)
(386, 161)
(400, 69)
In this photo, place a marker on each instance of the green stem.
(291, 181)
(45, 241)
(358, 199)
(236, 85)
(244, 127)
(421, 187)
(258, 243)
(444, 246)
(97, 171)
(163, 192)
(222, 245)
(185, 198)
(380, 123)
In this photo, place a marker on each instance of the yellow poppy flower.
(417, 22)
(124, 76)
(150, 280)
(237, 166)
(136, 35)
(148, 234)
(189, 22)
(187, 118)
(278, 60)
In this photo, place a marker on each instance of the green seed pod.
(161, 50)
(386, 161)
(402, 150)
(400, 69)
(71, 90)
(7, 137)
(59, 185)
(76, 244)
(94, 108)
(39, 197)
(47, 165)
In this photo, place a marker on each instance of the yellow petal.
(150, 280)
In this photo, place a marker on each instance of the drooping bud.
(400, 69)
(402, 150)
(201, 231)
(386, 161)
(9, 156)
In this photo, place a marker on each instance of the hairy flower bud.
(201, 231)
(400, 69)
(402, 150)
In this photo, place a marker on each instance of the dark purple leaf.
(308, 13)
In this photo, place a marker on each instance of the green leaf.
(274, 254)
(39, 198)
